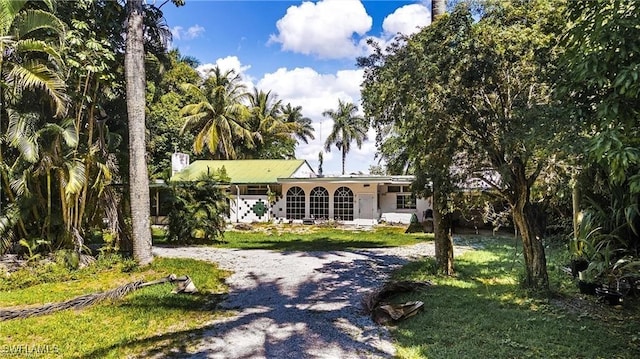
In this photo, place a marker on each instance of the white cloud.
(406, 20)
(317, 92)
(226, 64)
(325, 29)
(179, 33)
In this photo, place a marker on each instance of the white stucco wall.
(370, 201)
(243, 209)
(388, 204)
(364, 197)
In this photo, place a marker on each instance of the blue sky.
(305, 52)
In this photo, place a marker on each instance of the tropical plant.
(303, 129)
(600, 90)
(164, 121)
(198, 210)
(348, 127)
(30, 61)
(218, 115)
(271, 135)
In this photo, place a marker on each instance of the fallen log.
(184, 285)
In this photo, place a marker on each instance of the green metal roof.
(242, 171)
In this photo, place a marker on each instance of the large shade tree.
(408, 110)
(483, 97)
(348, 127)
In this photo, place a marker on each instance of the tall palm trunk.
(138, 177)
(438, 7)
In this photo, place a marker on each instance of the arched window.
(295, 203)
(319, 203)
(343, 204)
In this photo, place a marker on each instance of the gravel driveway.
(298, 304)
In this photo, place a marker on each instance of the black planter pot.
(578, 265)
(588, 287)
(613, 297)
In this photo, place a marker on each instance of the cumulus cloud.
(179, 33)
(226, 64)
(317, 92)
(407, 20)
(325, 29)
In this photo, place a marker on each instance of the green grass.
(316, 238)
(483, 313)
(150, 320)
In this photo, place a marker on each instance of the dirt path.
(298, 304)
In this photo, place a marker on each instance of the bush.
(198, 211)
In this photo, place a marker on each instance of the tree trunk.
(344, 157)
(438, 8)
(532, 246)
(575, 201)
(442, 233)
(138, 177)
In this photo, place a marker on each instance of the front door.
(366, 206)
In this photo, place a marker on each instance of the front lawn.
(149, 320)
(316, 238)
(483, 313)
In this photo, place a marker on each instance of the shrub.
(198, 211)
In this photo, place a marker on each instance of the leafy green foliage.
(601, 92)
(198, 211)
(465, 99)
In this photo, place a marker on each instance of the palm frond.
(76, 177)
(103, 178)
(35, 75)
(30, 21)
(19, 184)
(38, 46)
(20, 135)
(8, 221)
(8, 11)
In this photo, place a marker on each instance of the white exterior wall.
(365, 199)
(242, 209)
(279, 208)
(370, 201)
(388, 204)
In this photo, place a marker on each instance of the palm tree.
(29, 66)
(220, 114)
(303, 125)
(28, 62)
(347, 127)
(271, 134)
(438, 8)
(47, 152)
(138, 176)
